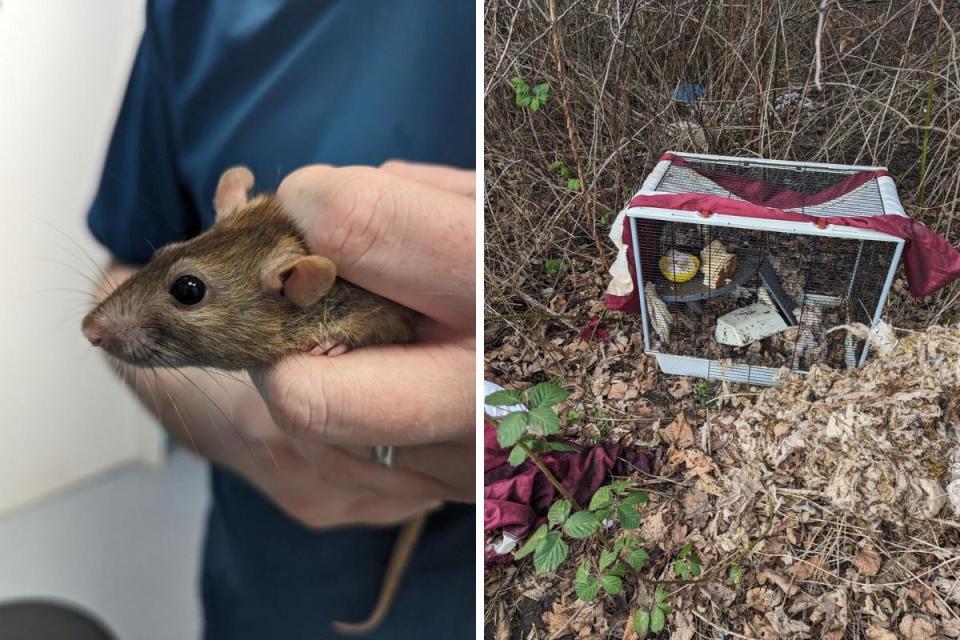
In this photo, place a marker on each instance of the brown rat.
(243, 294)
(240, 295)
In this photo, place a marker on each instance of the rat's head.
(220, 299)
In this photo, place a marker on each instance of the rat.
(243, 294)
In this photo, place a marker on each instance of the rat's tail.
(402, 551)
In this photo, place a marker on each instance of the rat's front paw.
(329, 348)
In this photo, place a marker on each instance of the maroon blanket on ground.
(516, 499)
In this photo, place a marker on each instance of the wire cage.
(742, 298)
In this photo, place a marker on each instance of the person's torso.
(278, 84)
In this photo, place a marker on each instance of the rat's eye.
(188, 290)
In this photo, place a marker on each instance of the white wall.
(63, 415)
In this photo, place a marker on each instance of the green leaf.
(559, 511)
(618, 570)
(604, 512)
(735, 575)
(550, 553)
(544, 421)
(546, 394)
(687, 564)
(542, 90)
(532, 542)
(586, 585)
(629, 516)
(611, 584)
(517, 455)
(657, 620)
(620, 485)
(695, 566)
(659, 595)
(665, 608)
(636, 558)
(573, 415)
(635, 497)
(633, 541)
(556, 166)
(551, 266)
(573, 184)
(581, 525)
(537, 446)
(519, 84)
(535, 104)
(503, 398)
(511, 428)
(565, 171)
(606, 559)
(524, 99)
(601, 498)
(641, 623)
(554, 445)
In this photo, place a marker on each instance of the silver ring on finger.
(383, 455)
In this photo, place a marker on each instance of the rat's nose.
(94, 333)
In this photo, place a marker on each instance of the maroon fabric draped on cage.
(930, 261)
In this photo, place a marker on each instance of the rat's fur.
(241, 323)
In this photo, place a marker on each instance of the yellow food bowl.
(677, 266)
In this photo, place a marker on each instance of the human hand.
(404, 231)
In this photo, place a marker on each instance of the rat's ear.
(300, 279)
(232, 190)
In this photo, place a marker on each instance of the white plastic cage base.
(715, 370)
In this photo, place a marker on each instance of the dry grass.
(891, 97)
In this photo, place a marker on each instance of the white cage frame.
(710, 369)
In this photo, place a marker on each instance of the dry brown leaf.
(949, 588)
(785, 585)
(618, 390)
(914, 627)
(503, 624)
(807, 568)
(683, 627)
(678, 433)
(720, 594)
(951, 627)
(654, 529)
(785, 626)
(629, 633)
(696, 506)
(680, 387)
(867, 560)
(874, 632)
(763, 598)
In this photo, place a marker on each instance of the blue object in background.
(688, 92)
(274, 85)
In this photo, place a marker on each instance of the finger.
(307, 495)
(363, 509)
(345, 469)
(399, 238)
(380, 511)
(449, 463)
(381, 395)
(437, 176)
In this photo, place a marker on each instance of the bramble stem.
(552, 478)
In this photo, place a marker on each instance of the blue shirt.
(275, 85)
